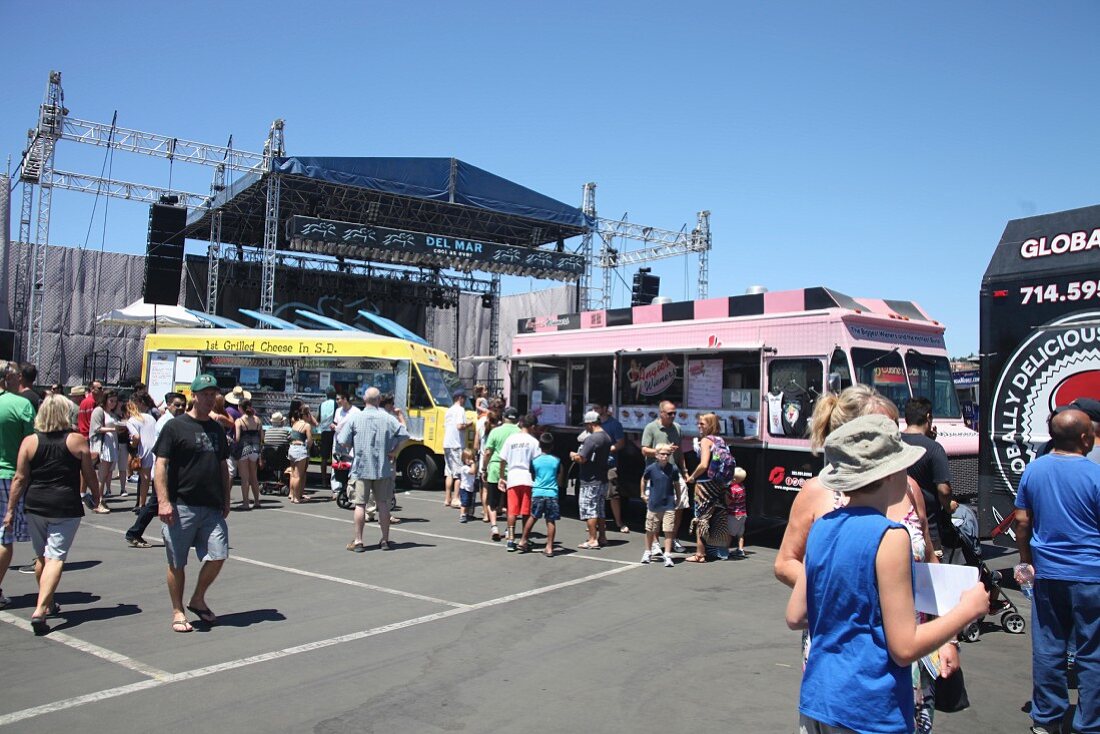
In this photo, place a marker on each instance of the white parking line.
(109, 693)
(402, 529)
(321, 576)
(99, 652)
(350, 582)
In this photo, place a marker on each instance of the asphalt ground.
(446, 633)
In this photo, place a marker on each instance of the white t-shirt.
(775, 414)
(452, 436)
(341, 415)
(466, 478)
(160, 423)
(146, 430)
(518, 451)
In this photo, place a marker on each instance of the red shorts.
(519, 500)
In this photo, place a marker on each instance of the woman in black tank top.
(47, 478)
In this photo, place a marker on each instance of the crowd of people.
(882, 503)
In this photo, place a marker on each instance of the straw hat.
(277, 418)
(863, 451)
(77, 391)
(238, 394)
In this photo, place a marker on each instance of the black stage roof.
(433, 195)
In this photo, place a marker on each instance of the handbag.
(134, 463)
(951, 693)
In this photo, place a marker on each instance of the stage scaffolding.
(252, 219)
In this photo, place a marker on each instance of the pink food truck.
(759, 361)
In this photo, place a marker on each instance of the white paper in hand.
(937, 587)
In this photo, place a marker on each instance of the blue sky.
(876, 148)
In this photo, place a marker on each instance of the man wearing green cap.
(192, 482)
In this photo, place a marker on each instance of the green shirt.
(654, 434)
(16, 423)
(495, 441)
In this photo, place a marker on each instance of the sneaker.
(668, 562)
(645, 557)
(27, 569)
(655, 549)
(137, 543)
(1052, 728)
(5, 602)
(495, 534)
(124, 493)
(678, 546)
(511, 545)
(463, 519)
(737, 553)
(624, 530)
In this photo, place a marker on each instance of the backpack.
(721, 466)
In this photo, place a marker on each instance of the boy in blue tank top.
(856, 593)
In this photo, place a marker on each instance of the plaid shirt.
(373, 435)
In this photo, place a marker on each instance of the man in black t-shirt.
(192, 482)
(592, 458)
(932, 471)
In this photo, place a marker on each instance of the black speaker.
(646, 288)
(164, 254)
(7, 344)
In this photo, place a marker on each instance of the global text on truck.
(758, 361)
(277, 366)
(1039, 343)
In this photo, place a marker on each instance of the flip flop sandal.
(181, 625)
(695, 559)
(205, 615)
(356, 547)
(589, 546)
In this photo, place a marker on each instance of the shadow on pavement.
(243, 619)
(77, 617)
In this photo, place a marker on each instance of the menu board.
(162, 371)
(551, 414)
(704, 383)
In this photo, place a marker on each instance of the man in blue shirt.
(615, 432)
(1058, 530)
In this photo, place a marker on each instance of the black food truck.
(1040, 309)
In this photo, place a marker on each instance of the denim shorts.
(545, 508)
(51, 537)
(590, 500)
(199, 527)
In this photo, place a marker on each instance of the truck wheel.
(419, 468)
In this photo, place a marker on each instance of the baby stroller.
(964, 540)
(341, 468)
(272, 474)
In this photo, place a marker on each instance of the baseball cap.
(511, 414)
(203, 382)
(1089, 407)
(459, 392)
(591, 417)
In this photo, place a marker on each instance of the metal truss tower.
(35, 171)
(275, 147)
(657, 244)
(213, 252)
(701, 236)
(494, 325)
(584, 283)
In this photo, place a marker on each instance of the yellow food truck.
(279, 366)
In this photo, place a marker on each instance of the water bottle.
(1025, 577)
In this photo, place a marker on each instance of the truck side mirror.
(834, 382)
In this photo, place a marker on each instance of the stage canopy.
(442, 196)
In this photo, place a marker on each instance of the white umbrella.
(140, 313)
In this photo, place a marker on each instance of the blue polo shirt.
(662, 487)
(1063, 493)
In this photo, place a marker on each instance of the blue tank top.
(850, 679)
